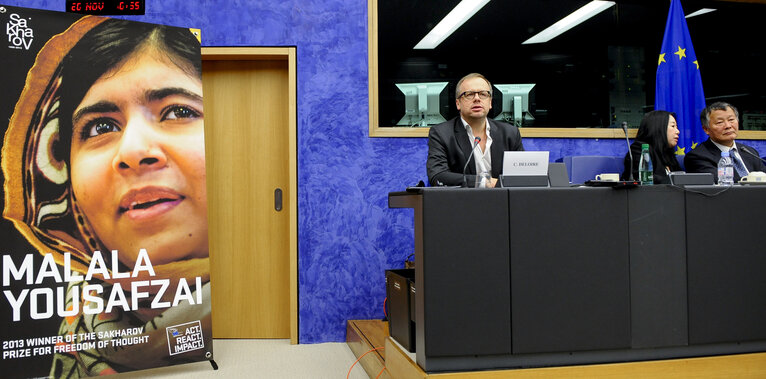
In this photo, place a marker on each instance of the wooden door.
(249, 108)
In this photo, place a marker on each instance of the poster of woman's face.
(106, 263)
(138, 159)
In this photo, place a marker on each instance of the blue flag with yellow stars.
(679, 84)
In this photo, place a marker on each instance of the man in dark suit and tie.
(450, 143)
(720, 121)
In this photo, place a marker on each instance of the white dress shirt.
(483, 159)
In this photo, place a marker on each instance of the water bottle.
(483, 179)
(645, 168)
(725, 170)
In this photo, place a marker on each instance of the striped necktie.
(738, 164)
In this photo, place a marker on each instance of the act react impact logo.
(20, 34)
(185, 337)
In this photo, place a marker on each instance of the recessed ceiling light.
(699, 12)
(462, 12)
(575, 18)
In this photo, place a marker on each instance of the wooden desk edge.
(403, 199)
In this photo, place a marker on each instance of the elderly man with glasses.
(450, 143)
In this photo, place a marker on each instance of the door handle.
(278, 199)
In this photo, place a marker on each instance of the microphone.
(745, 149)
(630, 153)
(476, 141)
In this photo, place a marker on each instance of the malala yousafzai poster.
(103, 236)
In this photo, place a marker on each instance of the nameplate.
(525, 163)
(522, 181)
(688, 178)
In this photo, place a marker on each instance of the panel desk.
(535, 277)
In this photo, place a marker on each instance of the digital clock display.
(107, 7)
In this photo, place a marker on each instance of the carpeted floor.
(261, 358)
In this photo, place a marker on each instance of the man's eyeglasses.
(468, 95)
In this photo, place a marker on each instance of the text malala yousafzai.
(44, 302)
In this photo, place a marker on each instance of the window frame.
(375, 130)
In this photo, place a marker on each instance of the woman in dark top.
(660, 130)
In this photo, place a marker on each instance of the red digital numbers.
(129, 5)
(106, 7)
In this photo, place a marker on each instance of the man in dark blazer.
(450, 143)
(720, 121)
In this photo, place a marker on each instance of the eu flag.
(679, 84)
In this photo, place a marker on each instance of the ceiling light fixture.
(575, 18)
(699, 12)
(462, 12)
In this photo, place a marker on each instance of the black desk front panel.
(531, 277)
(657, 237)
(465, 268)
(726, 237)
(569, 270)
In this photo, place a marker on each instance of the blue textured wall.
(347, 235)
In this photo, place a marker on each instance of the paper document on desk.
(525, 163)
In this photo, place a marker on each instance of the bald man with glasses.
(450, 143)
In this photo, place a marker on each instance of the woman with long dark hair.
(660, 130)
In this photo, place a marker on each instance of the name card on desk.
(525, 163)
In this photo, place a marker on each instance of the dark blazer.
(449, 147)
(659, 177)
(705, 157)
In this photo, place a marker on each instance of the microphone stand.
(630, 153)
(743, 148)
(476, 141)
